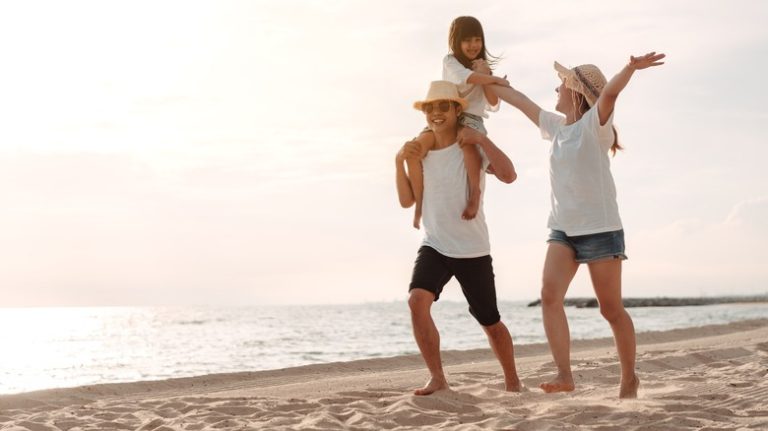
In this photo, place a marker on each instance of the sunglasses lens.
(443, 106)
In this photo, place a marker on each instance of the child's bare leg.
(416, 174)
(473, 163)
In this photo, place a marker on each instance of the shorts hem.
(489, 324)
(437, 295)
(620, 256)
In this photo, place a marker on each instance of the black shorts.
(432, 271)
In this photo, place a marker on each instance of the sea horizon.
(75, 346)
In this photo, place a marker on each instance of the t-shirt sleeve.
(549, 122)
(604, 133)
(492, 108)
(454, 71)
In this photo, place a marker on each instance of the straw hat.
(586, 79)
(442, 90)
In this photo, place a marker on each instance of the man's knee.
(496, 329)
(420, 300)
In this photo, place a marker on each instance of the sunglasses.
(443, 106)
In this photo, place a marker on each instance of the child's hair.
(465, 27)
(580, 102)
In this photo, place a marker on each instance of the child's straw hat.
(586, 79)
(442, 90)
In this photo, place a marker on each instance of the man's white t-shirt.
(583, 192)
(455, 72)
(445, 198)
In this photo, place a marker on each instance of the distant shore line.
(663, 301)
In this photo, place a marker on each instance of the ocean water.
(63, 347)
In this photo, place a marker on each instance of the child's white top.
(455, 72)
(445, 197)
(583, 192)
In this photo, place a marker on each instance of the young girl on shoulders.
(469, 66)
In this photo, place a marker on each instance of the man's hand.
(411, 150)
(470, 136)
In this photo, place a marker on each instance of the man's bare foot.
(629, 389)
(417, 216)
(432, 386)
(473, 205)
(559, 384)
(514, 385)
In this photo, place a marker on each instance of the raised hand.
(645, 61)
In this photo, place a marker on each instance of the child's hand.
(503, 82)
(645, 61)
(481, 66)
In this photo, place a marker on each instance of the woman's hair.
(465, 27)
(581, 106)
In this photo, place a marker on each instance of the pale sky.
(235, 152)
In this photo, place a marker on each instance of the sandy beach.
(707, 378)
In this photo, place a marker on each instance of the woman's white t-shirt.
(455, 72)
(445, 198)
(583, 192)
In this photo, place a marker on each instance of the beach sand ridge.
(711, 377)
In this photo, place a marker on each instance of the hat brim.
(572, 82)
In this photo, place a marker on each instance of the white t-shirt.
(455, 72)
(445, 197)
(583, 192)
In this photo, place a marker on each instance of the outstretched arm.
(480, 66)
(519, 101)
(482, 79)
(500, 165)
(607, 100)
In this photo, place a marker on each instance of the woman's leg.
(560, 267)
(606, 279)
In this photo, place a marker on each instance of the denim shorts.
(473, 121)
(592, 247)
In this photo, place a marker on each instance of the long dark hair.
(580, 102)
(465, 27)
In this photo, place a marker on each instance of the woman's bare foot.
(629, 389)
(417, 216)
(433, 385)
(473, 205)
(561, 383)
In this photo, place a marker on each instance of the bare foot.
(629, 389)
(514, 385)
(433, 385)
(417, 216)
(559, 384)
(473, 205)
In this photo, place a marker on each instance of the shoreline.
(664, 301)
(402, 362)
(290, 381)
